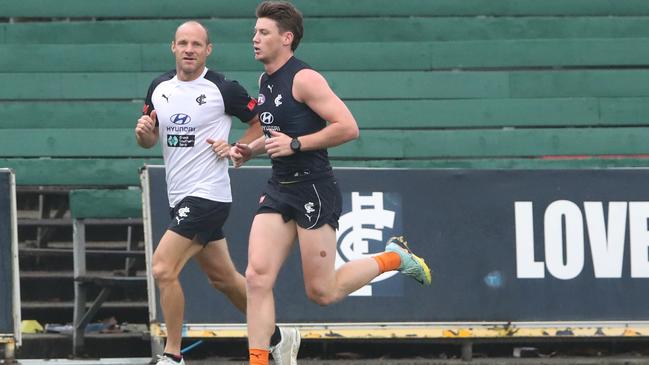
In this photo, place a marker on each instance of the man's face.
(191, 50)
(267, 41)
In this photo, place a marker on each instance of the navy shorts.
(311, 204)
(199, 218)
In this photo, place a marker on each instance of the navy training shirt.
(279, 111)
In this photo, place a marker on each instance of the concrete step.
(56, 286)
(98, 345)
(101, 257)
(62, 232)
(62, 312)
(67, 274)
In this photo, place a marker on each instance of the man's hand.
(220, 147)
(240, 153)
(278, 145)
(145, 130)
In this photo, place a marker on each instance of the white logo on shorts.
(309, 207)
(182, 214)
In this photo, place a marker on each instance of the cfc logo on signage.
(368, 220)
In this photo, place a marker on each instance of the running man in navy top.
(301, 117)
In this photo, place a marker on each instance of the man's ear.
(287, 38)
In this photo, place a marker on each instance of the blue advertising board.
(504, 246)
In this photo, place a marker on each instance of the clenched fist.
(146, 132)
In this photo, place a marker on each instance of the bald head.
(191, 47)
(193, 26)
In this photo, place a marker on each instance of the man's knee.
(163, 273)
(257, 280)
(321, 296)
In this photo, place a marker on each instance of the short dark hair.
(286, 15)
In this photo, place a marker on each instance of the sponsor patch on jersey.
(251, 104)
(180, 119)
(180, 140)
(261, 99)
